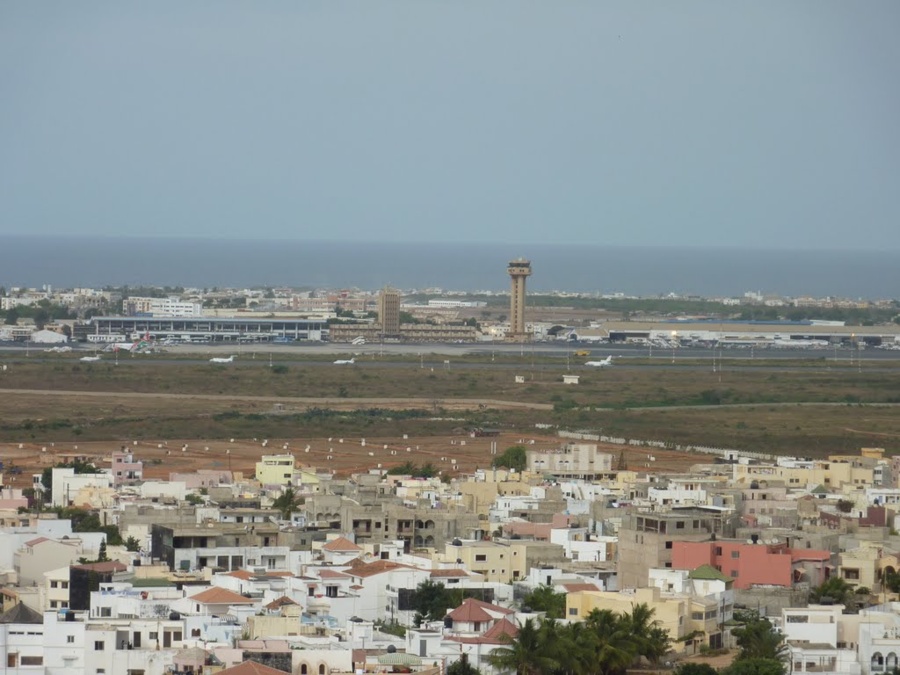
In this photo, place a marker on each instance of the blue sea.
(97, 262)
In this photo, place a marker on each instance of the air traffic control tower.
(519, 270)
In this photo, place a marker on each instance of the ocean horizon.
(71, 261)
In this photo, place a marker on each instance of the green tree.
(462, 667)
(193, 500)
(41, 318)
(651, 640)
(514, 457)
(431, 600)
(835, 589)
(524, 654)
(132, 544)
(614, 646)
(759, 639)
(545, 599)
(12, 316)
(755, 666)
(102, 556)
(287, 502)
(695, 669)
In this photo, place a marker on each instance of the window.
(851, 574)
(322, 669)
(735, 554)
(573, 611)
(734, 574)
(668, 544)
(106, 611)
(64, 584)
(697, 616)
(32, 661)
(54, 584)
(718, 550)
(98, 646)
(481, 557)
(679, 525)
(797, 618)
(331, 591)
(53, 604)
(70, 639)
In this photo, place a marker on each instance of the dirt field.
(343, 456)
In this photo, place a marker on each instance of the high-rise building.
(519, 270)
(389, 312)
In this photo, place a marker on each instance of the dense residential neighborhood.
(296, 570)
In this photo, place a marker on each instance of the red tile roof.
(504, 627)
(35, 542)
(449, 573)
(341, 545)
(216, 595)
(378, 567)
(574, 588)
(251, 668)
(472, 610)
(332, 574)
(278, 603)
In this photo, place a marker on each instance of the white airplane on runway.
(218, 359)
(345, 362)
(89, 359)
(600, 364)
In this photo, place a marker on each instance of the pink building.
(125, 469)
(754, 564)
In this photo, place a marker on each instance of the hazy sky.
(678, 123)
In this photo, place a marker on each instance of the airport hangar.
(212, 329)
(748, 332)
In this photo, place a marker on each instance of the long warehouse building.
(206, 329)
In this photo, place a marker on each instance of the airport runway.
(509, 356)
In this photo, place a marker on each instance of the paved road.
(348, 403)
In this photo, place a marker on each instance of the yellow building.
(864, 567)
(490, 559)
(673, 613)
(836, 472)
(275, 469)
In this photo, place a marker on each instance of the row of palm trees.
(606, 643)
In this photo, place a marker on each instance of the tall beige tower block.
(519, 270)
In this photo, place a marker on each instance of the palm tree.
(286, 502)
(759, 639)
(652, 640)
(524, 654)
(614, 645)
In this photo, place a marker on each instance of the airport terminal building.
(205, 329)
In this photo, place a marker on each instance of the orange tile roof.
(215, 595)
(503, 627)
(377, 567)
(341, 545)
(574, 588)
(280, 602)
(475, 610)
(251, 668)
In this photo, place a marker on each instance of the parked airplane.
(58, 350)
(89, 359)
(216, 359)
(345, 362)
(600, 364)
